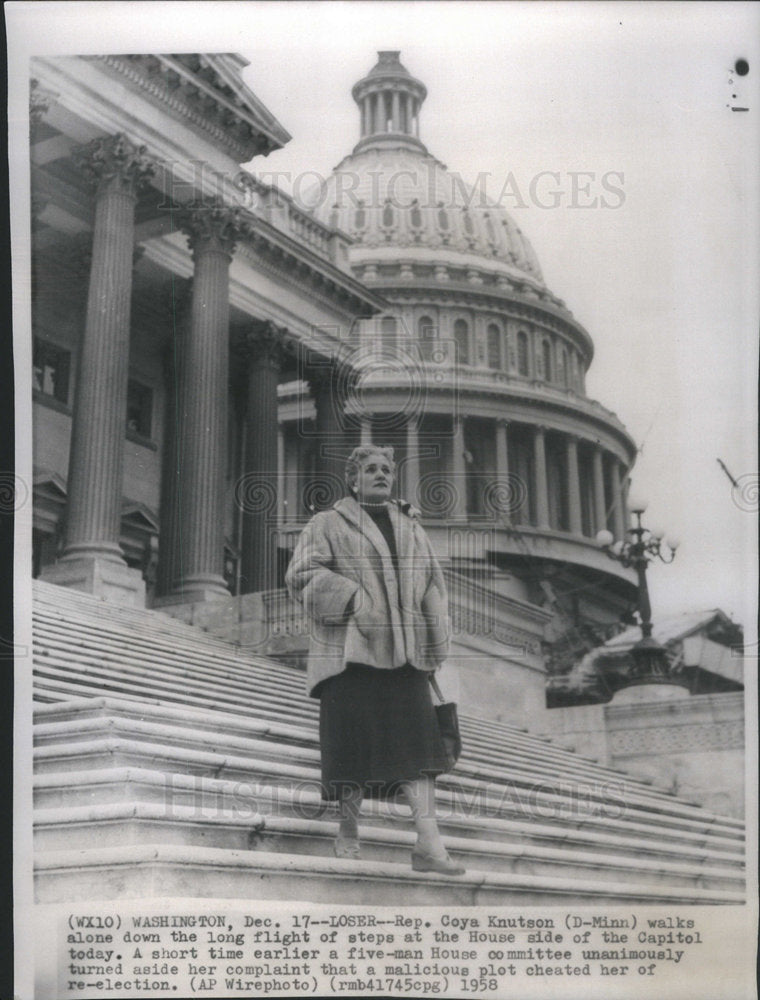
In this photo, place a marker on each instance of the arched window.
(415, 215)
(388, 327)
(546, 349)
(462, 338)
(523, 362)
(388, 214)
(426, 334)
(493, 335)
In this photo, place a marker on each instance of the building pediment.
(206, 91)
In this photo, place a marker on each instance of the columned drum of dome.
(508, 444)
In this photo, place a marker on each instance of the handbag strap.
(436, 688)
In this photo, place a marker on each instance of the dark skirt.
(377, 729)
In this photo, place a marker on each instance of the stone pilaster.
(600, 505)
(541, 486)
(92, 559)
(573, 487)
(262, 352)
(202, 407)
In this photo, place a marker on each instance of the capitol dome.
(474, 373)
(390, 192)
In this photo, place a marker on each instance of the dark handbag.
(448, 724)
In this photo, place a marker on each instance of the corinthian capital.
(115, 161)
(263, 345)
(213, 227)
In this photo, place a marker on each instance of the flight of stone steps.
(170, 763)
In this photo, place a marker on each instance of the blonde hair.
(357, 456)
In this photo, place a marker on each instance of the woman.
(369, 580)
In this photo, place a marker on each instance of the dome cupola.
(389, 100)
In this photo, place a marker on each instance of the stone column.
(600, 505)
(626, 492)
(412, 464)
(573, 486)
(92, 559)
(262, 352)
(459, 470)
(176, 319)
(281, 508)
(618, 514)
(396, 111)
(542, 491)
(201, 430)
(504, 491)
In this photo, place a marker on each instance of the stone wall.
(692, 746)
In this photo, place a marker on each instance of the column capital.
(114, 162)
(336, 377)
(263, 345)
(213, 228)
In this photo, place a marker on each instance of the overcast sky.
(665, 283)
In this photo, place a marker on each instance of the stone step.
(458, 791)
(156, 677)
(214, 798)
(470, 726)
(286, 676)
(157, 870)
(577, 768)
(147, 823)
(174, 730)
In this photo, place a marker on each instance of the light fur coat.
(342, 559)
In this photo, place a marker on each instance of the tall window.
(462, 338)
(494, 346)
(51, 366)
(388, 219)
(426, 335)
(523, 361)
(546, 349)
(388, 329)
(443, 218)
(415, 215)
(139, 409)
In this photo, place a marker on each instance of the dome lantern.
(389, 100)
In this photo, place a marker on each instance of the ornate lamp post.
(650, 662)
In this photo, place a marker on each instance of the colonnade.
(403, 117)
(194, 482)
(603, 475)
